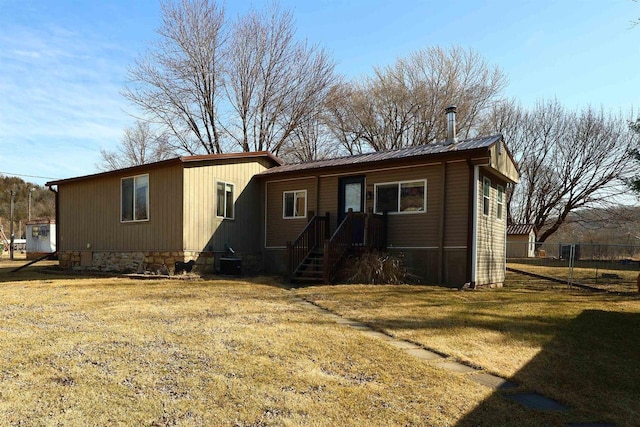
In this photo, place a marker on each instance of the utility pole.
(30, 191)
(13, 193)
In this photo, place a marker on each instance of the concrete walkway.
(530, 400)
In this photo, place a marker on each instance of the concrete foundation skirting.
(157, 262)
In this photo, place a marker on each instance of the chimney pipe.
(451, 125)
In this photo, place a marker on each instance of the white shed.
(41, 237)
(521, 241)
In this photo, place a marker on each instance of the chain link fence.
(613, 268)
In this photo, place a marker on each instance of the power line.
(26, 176)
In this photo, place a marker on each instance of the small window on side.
(294, 204)
(486, 196)
(500, 202)
(224, 200)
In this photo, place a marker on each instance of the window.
(224, 195)
(500, 204)
(486, 196)
(294, 204)
(135, 199)
(405, 197)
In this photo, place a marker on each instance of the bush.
(375, 267)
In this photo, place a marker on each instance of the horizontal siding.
(203, 230)
(457, 205)
(89, 214)
(491, 237)
(280, 230)
(412, 229)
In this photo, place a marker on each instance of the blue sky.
(63, 63)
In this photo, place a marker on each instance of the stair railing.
(336, 247)
(316, 230)
(375, 237)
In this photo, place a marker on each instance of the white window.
(224, 200)
(402, 197)
(294, 204)
(500, 204)
(134, 198)
(486, 196)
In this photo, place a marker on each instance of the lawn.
(80, 350)
(578, 347)
(609, 276)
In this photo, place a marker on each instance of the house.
(521, 241)
(148, 217)
(40, 238)
(442, 206)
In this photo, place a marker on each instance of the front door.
(351, 196)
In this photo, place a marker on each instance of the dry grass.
(578, 347)
(111, 351)
(619, 280)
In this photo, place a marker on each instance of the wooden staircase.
(315, 256)
(310, 271)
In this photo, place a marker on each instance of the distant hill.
(608, 226)
(42, 203)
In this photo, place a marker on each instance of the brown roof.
(520, 229)
(176, 160)
(415, 151)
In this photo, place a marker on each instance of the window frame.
(133, 195)
(500, 202)
(399, 201)
(486, 198)
(295, 198)
(233, 202)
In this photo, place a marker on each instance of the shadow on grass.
(590, 366)
(46, 270)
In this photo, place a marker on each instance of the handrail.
(336, 247)
(375, 236)
(309, 238)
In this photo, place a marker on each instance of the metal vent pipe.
(451, 125)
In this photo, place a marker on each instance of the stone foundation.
(156, 262)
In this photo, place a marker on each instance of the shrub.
(375, 267)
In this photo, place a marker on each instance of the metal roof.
(520, 229)
(177, 160)
(401, 153)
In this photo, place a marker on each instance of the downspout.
(57, 213)
(471, 223)
(443, 212)
(474, 235)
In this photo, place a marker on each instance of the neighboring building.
(40, 238)
(521, 241)
(441, 205)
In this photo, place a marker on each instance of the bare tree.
(274, 83)
(634, 181)
(567, 160)
(140, 144)
(178, 82)
(216, 84)
(402, 105)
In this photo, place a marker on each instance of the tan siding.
(457, 204)
(414, 229)
(502, 162)
(203, 230)
(491, 238)
(90, 214)
(280, 230)
(517, 246)
(328, 199)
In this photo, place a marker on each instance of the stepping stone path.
(530, 400)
